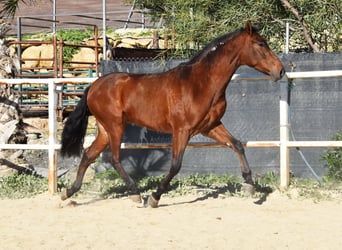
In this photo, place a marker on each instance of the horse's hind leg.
(89, 155)
(222, 135)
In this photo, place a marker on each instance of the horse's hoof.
(248, 189)
(135, 198)
(64, 195)
(152, 202)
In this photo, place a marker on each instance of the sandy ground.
(186, 222)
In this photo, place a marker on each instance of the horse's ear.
(249, 28)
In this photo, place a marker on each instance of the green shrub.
(73, 36)
(333, 159)
(20, 185)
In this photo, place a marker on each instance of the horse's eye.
(262, 44)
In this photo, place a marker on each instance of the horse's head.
(256, 54)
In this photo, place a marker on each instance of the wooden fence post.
(52, 166)
(284, 135)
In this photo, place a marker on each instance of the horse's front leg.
(180, 140)
(222, 135)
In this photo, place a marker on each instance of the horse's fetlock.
(156, 196)
(248, 177)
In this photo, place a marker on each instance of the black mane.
(217, 42)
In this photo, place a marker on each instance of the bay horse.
(184, 101)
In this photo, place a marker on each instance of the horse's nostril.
(282, 72)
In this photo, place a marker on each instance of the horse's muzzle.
(277, 75)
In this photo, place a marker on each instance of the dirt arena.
(183, 222)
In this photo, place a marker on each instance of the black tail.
(75, 128)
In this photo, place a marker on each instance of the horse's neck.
(219, 67)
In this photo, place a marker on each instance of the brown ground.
(187, 222)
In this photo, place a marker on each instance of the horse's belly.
(149, 117)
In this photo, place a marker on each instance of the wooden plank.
(314, 144)
(314, 74)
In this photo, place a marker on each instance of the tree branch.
(302, 23)
(20, 169)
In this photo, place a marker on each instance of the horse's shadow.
(233, 189)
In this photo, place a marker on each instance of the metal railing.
(283, 143)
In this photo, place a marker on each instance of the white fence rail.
(284, 143)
